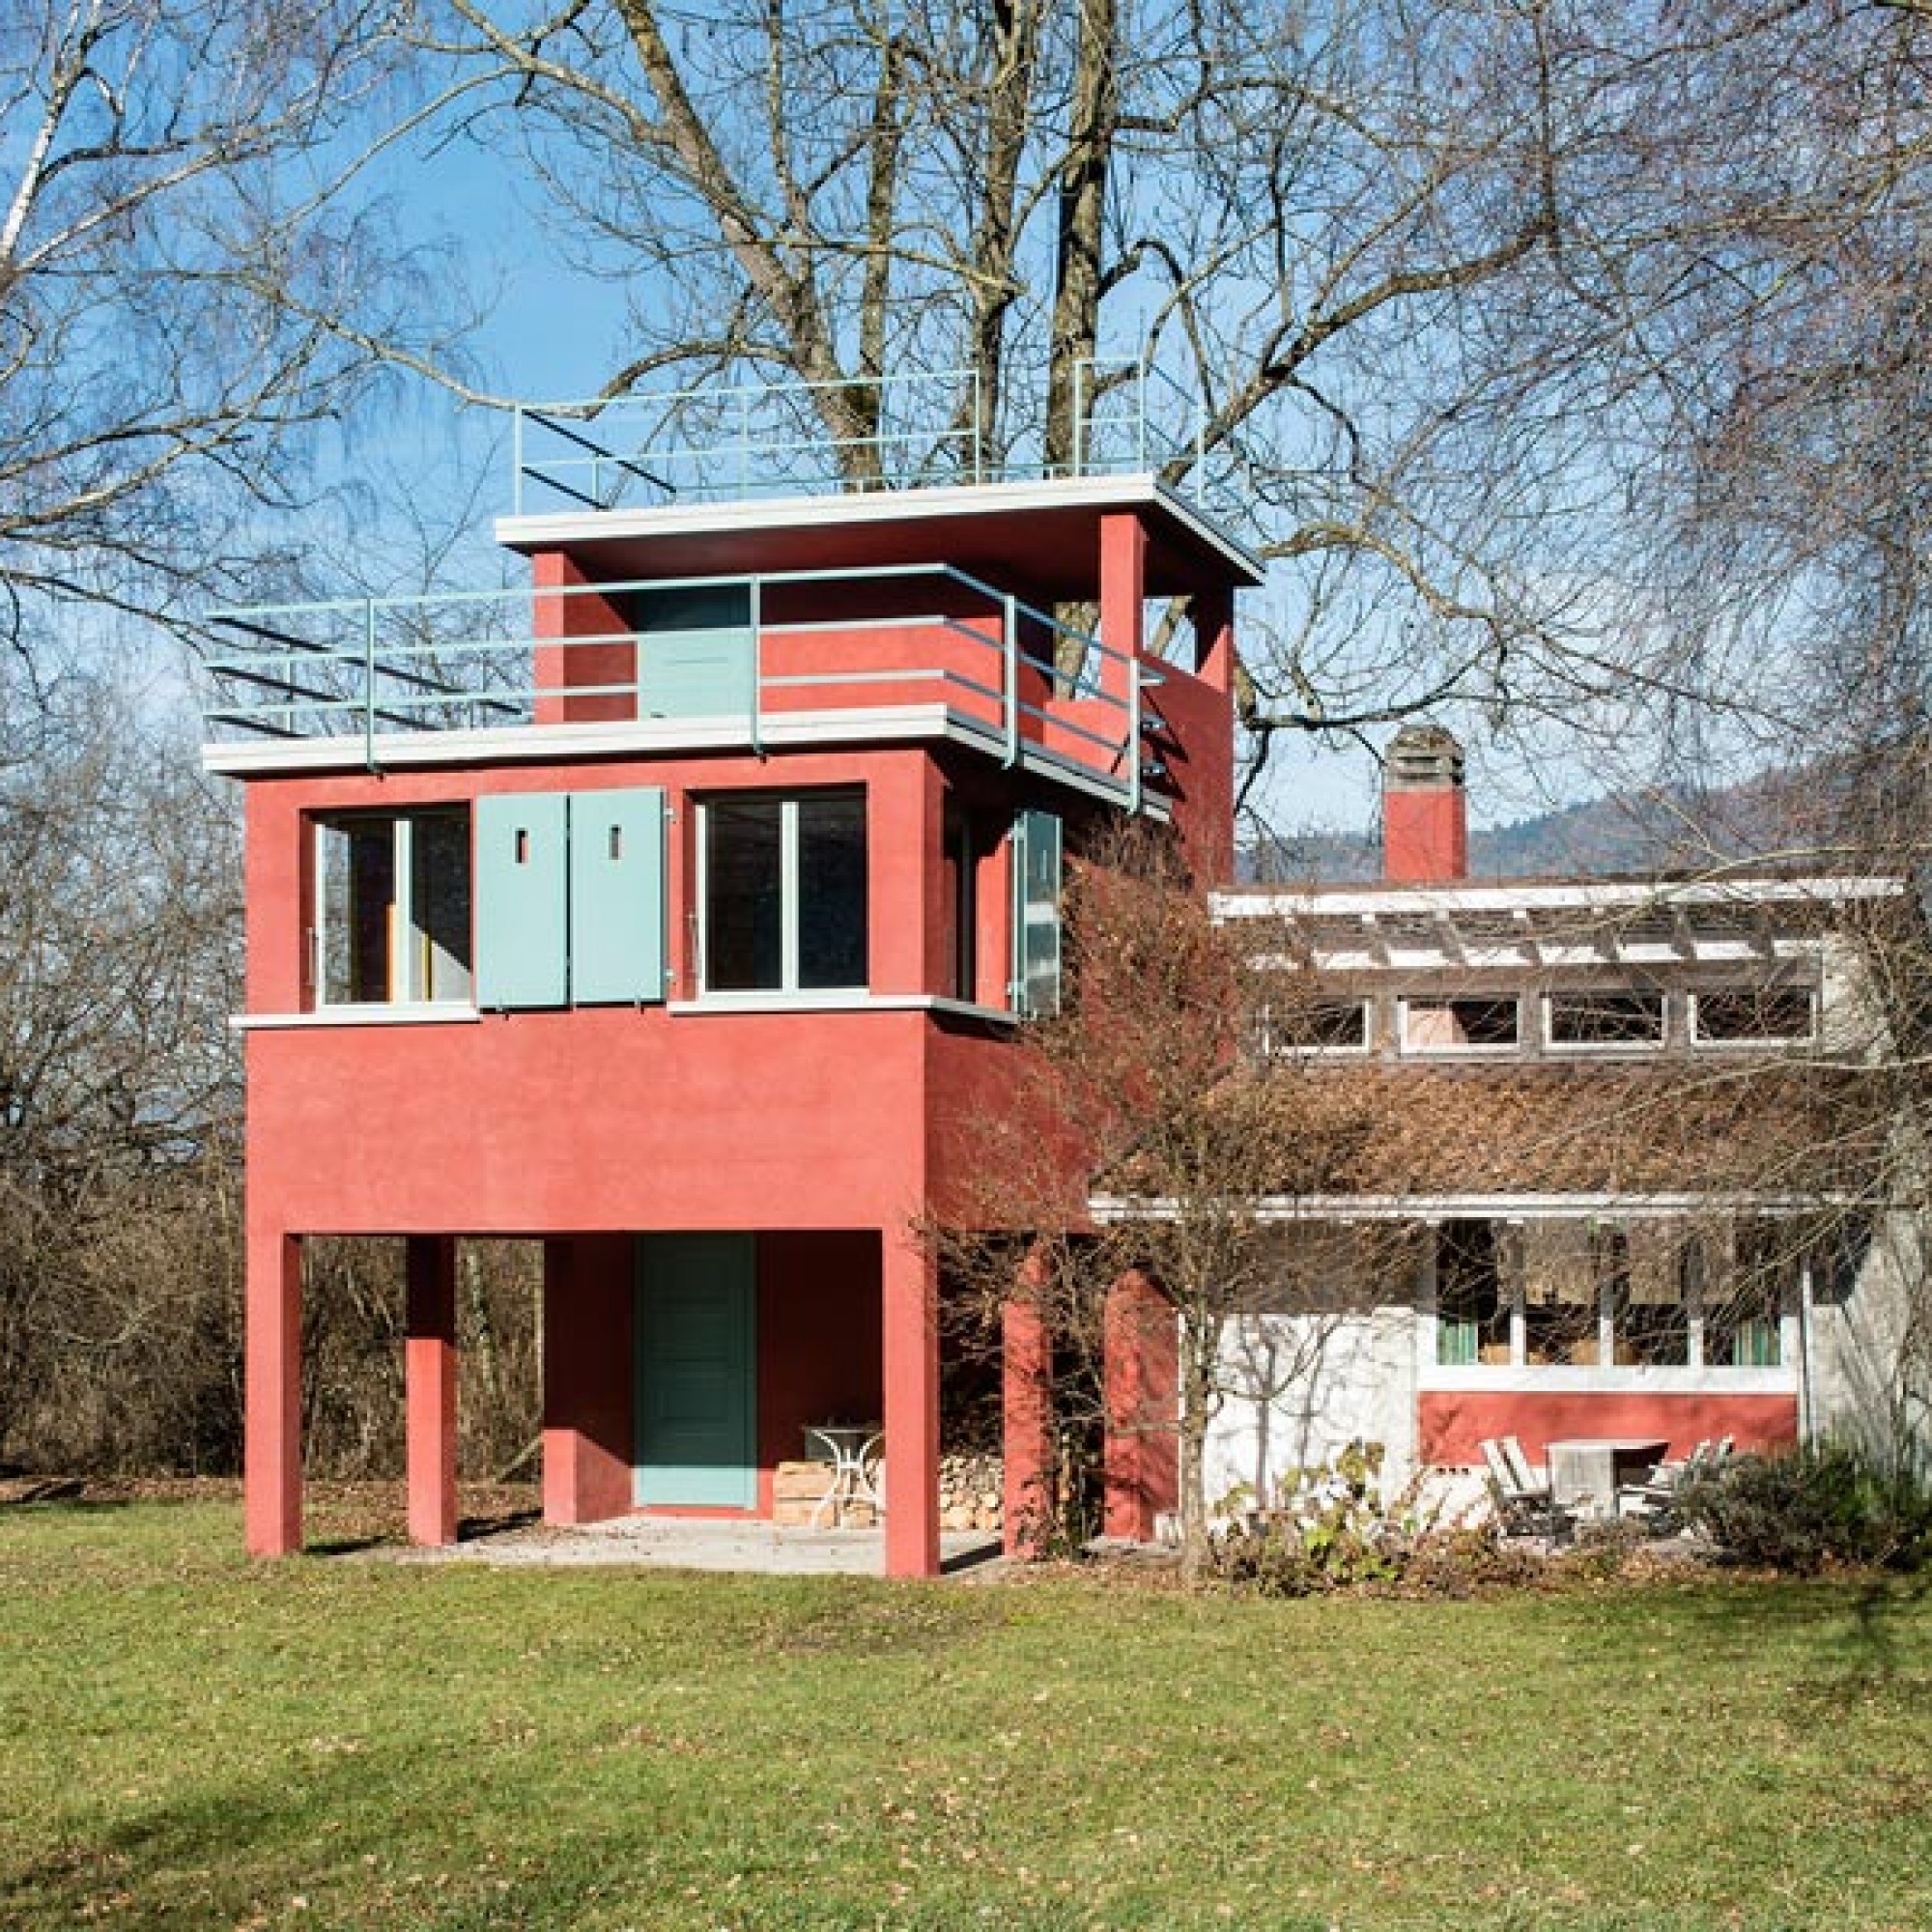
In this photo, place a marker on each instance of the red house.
(663, 912)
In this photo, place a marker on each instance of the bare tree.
(1296, 223)
(119, 1090)
(192, 283)
(1142, 1098)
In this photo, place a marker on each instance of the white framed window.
(783, 893)
(1602, 1019)
(391, 916)
(1560, 1295)
(1287, 1029)
(1754, 1016)
(1462, 1023)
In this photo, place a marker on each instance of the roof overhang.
(1041, 537)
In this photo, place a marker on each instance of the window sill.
(1555, 1378)
(839, 1003)
(442, 1013)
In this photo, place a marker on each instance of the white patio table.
(1585, 1470)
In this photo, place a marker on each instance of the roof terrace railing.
(725, 443)
(747, 654)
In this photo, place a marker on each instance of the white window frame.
(1267, 1049)
(1656, 1044)
(1471, 1049)
(1763, 1042)
(1696, 1373)
(402, 911)
(789, 988)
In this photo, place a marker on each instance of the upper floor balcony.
(757, 594)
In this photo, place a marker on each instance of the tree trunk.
(1082, 214)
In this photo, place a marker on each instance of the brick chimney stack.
(1425, 811)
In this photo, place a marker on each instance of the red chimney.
(1425, 813)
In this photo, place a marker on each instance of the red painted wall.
(1453, 1424)
(588, 1395)
(819, 1340)
(1199, 752)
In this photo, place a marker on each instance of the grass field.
(185, 1740)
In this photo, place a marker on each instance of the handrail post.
(1134, 733)
(1012, 642)
(757, 666)
(369, 682)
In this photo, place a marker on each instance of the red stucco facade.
(814, 1127)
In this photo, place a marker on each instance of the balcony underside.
(651, 737)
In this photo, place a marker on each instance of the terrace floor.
(661, 1543)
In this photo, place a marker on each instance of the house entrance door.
(696, 1369)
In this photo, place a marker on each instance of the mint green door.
(696, 1369)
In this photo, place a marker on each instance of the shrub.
(1329, 1531)
(1822, 1506)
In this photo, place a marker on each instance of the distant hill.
(1649, 832)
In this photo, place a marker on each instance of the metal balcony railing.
(727, 443)
(726, 659)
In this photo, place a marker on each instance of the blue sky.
(552, 333)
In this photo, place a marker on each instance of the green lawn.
(187, 1741)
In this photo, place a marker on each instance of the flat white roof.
(847, 510)
(1531, 896)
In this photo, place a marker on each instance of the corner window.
(959, 902)
(783, 893)
(1605, 1018)
(1460, 1026)
(392, 908)
(1036, 934)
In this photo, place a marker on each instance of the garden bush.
(1806, 1512)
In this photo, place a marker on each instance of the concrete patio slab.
(659, 1542)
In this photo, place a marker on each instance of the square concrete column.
(271, 1415)
(909, 1291)
(429, 1376)
(1142, 1374)
(1027, 1418)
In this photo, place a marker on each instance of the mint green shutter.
(617, 897)
(1037, 886)
(696, 655)
(522, 900)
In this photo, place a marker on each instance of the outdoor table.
(851, 1448)
(1588, 1469)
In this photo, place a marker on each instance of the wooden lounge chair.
(1524, 1506)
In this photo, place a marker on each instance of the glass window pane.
(1560, 1295)
(440, 905)
(1652, 1315)
(1605, 1018)
(831, 940)
(1471, 1310)
(1744, 1296)
(1288, 1026)
(743, 913)
(357, 858)
(1766, 1013)
(1441, 1025)
(1036, 910)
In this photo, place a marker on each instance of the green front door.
(696, 1369)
